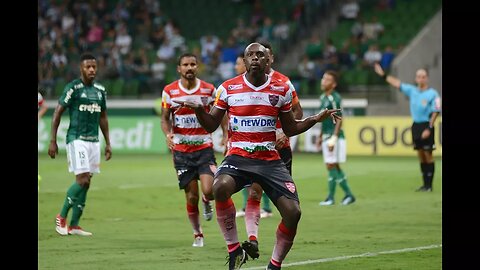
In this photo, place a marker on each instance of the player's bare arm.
(389, 79)
(53, 147)
(166, 124)
(292, 127)
(106, 134)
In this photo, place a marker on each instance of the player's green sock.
(245, 197)
(332, 175)
(71, 198)
(77, 210)
(266, 202)
(342, 181)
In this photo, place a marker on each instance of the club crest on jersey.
(204, 101)
(273, 99)
(290, 186)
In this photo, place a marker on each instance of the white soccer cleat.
(207, 210)
(265, 214)
(77, 230)
(61, 225)
(327, 202)
(198, 242)
(240, 213)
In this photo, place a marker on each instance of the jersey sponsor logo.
(437, 103)
(256, 148)
(79, 85)
(185, 120)
(204, 100)
(180, 172)
(174, 92)
(235, 86)
(83, 95)
(90, 108)
(205, 90)
(290, 186)
(273, 99)
(277, 88)
(188, 142)
(68, 96)
(256, 97)
(256, 122)
(228, 166)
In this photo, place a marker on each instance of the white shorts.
(339, 153)
(83, 157)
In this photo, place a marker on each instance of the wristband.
(385, 76)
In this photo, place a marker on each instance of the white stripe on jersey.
(253, 147)
(186, 121)
(192, 98)
(254, 98)
(258, 123)
(199, 139)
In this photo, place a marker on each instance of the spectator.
(350, 10)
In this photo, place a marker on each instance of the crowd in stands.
(137, 41)
(359, 51)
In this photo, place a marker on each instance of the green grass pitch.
(137, 215)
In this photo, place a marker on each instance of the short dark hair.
(267, 45)
(87, 56)
(186, 55)
(334, 74)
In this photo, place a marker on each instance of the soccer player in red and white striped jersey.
(191, 144)
(254, 101)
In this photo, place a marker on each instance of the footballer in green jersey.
(332, 141)
(86, 102)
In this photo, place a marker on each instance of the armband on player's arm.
(332, 141)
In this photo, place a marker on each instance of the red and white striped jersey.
(281, 77)
(40, 100)
(189, 135)
(253, 114)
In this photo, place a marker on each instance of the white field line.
(341, 258)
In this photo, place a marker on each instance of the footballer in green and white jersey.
(85, 103)
(331, 100)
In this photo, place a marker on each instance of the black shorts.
(272, 175)
(190, 166)
(427, 144)
(286, 155)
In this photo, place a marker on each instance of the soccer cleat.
(61, 225)
(198, 242)
(348, 200)
(265, 214)
(207, 210)
(424, 189)
(251, 247)
(270, 266)
(240, 213)
(77, 230)
(328, 201)
(236, 258)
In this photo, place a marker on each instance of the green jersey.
(332, 101)
(85, 103)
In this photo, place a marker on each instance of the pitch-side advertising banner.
(365, 135)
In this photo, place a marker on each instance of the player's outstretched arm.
(388, 78)
(292, 127)
(209, 121)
